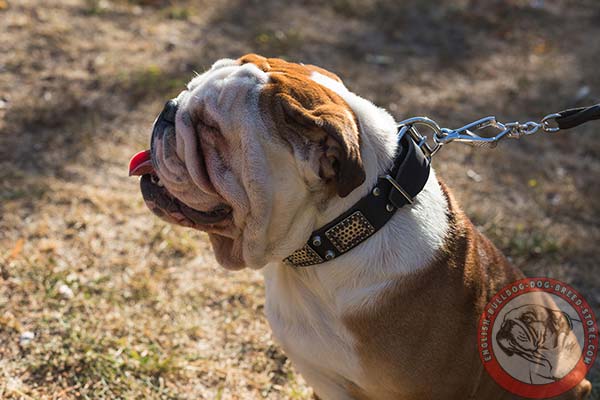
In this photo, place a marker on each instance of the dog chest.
(311, 332)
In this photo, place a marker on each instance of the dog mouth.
(164, 204)
(158, 199)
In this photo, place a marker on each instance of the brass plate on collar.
(350, 232)
(304, 257)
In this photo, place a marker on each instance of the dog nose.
(165, 119)
(506, 326)
(170, 110)
(504, 333)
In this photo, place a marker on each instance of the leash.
(551, 123)
(399, 185)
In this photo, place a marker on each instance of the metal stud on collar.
(316, 241)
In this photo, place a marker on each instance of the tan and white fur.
(394, 318)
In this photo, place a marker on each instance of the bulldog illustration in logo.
(542, 336)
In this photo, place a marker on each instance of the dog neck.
(407, 243)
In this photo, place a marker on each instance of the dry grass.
(124, 306)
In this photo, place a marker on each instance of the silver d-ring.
(546, 123)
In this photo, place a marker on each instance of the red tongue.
(141, 164)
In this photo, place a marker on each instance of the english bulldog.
(261, 153)
(542, 336)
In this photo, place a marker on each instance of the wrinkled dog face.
(257, 147)
(529, 328)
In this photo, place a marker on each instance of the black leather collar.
(395, 189)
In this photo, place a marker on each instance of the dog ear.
(561, 321)
(334, 129)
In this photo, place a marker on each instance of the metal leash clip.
(468, 133)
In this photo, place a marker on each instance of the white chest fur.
(308, 323)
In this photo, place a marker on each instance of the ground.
(100, 299)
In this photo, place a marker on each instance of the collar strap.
(395, 189)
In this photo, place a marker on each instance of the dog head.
(531, 330)
(258, 150)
